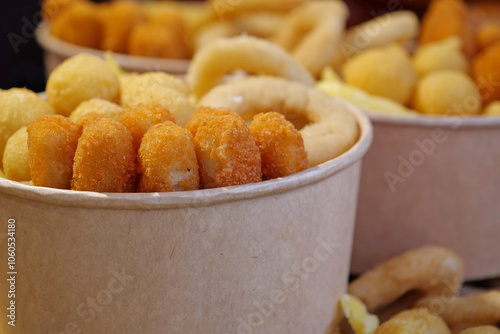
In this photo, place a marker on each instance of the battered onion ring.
(251, 54)
(417, 320)
(481, 330)
(430, 269)
(324, 22)
(331, 131)
(228, 8)
(479, 309)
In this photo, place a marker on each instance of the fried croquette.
(167, 160)
(486, 72)
(153, 40)
(201, 112)
(52, 142)
(97, 105)
(105, 158)
(88, 119)
(281, 145)
(227, 154)
(139, 118)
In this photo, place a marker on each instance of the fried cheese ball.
(281, 146)
(52, 142)
(139, 118)
(445, 54)
(447, 93)
(167, 160)
(104, 158)
(202, 112)
(96, 105)
(486, 72)
(446, 18)
(15, 157)
(81, 78)
(415, 321)
(18, 108)
(492, 109)
(119, 18)
(481, 330)
(488, 33)
(384, 71)
(79, 23)
(227, 153)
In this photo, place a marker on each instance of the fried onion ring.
(428, 269)
(418, 320)
(331, 131)
(481, 330)
(251, 54)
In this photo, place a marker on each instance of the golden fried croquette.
(96, 105)
(52, 8)
(88, 119)
(417, 320)
(167, 160)
(79, 23)
(16, 158)
(202, 112)
(281, 145)
(227, 153)
(486, 72)
(52, 142)
(119, 18)
(104, 158)
(81, 78)
(139, 118)
(487, 34)
(446, 18)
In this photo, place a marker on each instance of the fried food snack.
(15, 157)
(356, 314)
(251, 54)
(427, 269)
(312, 31)
(167, 160)
(213, 31)
(153, 40)
(226, 152)
(99, 106)
(446, 18)
(480, 309)
(481, 330)
(52, 141)
(445, 54)
(105, 158)
(330, 131)
(486, 72)
(488, 33)
(18, 108)
(118, 19)
(225, 9)
(492, 109)
(88, 119)
(81, 78)
(447, 93)
(79, 23)
(418, 320)
(139, 118)
(385, 71)
(160, 88)
(201, 113)
(281, 146)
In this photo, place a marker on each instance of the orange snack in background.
(487, 34)
(486, 73)
(152, 40)
(446, 18)
(52, 8)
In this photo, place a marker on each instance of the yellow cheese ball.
(445, 54)
(19, 107)
(81, 78)
(447, 93)
(15, 157)
(383, 71)
(97, 105)
(492, 109)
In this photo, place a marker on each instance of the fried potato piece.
(18, 108)
(281, 146)
(119, 18)
(385, 71)
(447, 93)
(226, 152)
(81, 78)
(440, 55)
(52, 142)
(427, 269)
(481, 309)
(481, 330)
(486, 73)
(356, 314)
(105, 158)
(488, 33)
(446, 18)
(167, 160)
(139, 118)
(415, 321)
(96, 105)
(79, 23)
(202, 112)
(16, 158)
(88, 119)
